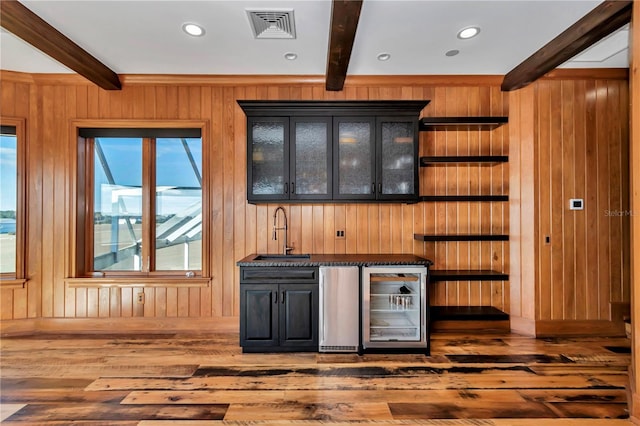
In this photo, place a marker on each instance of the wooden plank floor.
(479, 380)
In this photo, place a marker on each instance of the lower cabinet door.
(259, 315)
(299, 315)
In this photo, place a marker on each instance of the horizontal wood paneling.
(238, 228)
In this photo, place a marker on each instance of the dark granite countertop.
(296, 260)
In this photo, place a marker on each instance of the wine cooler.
(394, 307)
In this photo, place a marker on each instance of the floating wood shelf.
(461, 123)
(466, 275)
(464, 198)
(461, 237)
(469, 159)
(467, 313)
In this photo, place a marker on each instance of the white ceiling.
(145, 36)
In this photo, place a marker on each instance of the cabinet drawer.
(277, 275)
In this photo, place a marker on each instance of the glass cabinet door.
(354, 158)
(397, 176)
(310, 158)
(268, 158)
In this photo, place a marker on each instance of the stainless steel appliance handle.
(321, 310)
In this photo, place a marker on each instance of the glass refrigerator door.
(396, 305)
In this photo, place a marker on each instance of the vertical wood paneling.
(634, 206)
(544, 194)
(216, 184)
(581, 140)
(625, 188)
(579, 223)
(59, 200)
(466, 217)
(602, 185)
(69, 251)
(572, 120)
(48, 166)
(556, 199)
(524, 208)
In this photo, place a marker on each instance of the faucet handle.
(287, 250)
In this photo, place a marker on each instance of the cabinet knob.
(293, 187)
(373, 188)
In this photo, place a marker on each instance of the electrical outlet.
(141, 298)
(340, 234)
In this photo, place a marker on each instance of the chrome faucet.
(285, 249)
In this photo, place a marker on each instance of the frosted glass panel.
(397, 158)
(355, 150)
(311, 158)
(268, 158)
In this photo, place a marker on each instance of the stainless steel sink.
(282, 257)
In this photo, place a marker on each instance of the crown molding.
(266, 80)
(588, 74)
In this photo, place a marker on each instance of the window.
(11, 199)
(142, 197)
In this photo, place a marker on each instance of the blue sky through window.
(8, 172)
(175, 174)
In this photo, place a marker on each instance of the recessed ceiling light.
(290, 56)
(384, 56)
(468, 32)
(194, 30)
(452, 52)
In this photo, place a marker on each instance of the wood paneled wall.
(582, 153)
(579, 133)
(467, 217)
(634, 159)
(238, 228)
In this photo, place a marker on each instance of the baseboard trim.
(545, 328)
(555, 328)
(618, 311)
(119, 325)
(470, 326)
(523, 326)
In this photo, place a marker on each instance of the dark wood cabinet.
(375, 158)
(279, 309)
(288, 158)
(332, 150)
(298, 316)
(259, 315)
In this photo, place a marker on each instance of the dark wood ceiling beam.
(344, 22)
(22, 22)
(607, 17)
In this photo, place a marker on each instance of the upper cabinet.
(289, 158)
(332, 150)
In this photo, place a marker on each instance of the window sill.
(12, 283)
(175, 282)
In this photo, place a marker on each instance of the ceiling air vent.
(272, 23)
